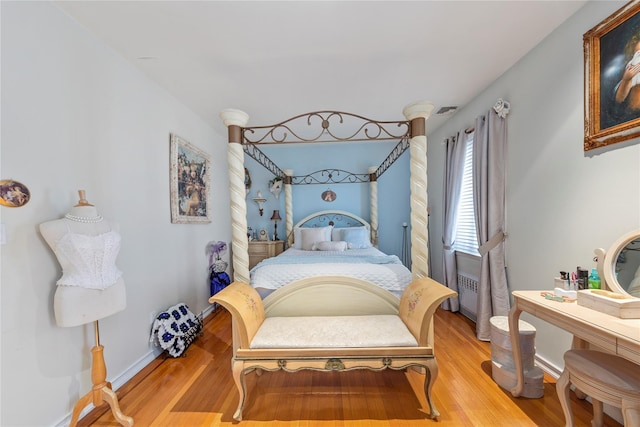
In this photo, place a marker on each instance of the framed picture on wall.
(190, 183)
(13, 194)
(612, 78)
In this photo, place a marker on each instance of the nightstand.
(259, 250)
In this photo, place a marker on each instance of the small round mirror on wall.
(620, 267)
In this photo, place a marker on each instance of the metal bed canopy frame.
(411, 134)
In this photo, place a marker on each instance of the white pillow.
(297, 234)
(356, 237)
(309, 236)
(330, 246)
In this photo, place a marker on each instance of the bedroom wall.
(561, 202)
(75, 115)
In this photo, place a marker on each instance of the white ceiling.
(275, 60)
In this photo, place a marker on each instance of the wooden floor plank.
(198, 390)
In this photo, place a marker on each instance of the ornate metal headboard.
(335, 218)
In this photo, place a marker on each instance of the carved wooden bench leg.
(238, 378)
(631, 412)
(430, 378)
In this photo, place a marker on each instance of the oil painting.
(190, 183)
(612, 78)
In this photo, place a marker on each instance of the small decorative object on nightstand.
(259, 250)
(275, 218)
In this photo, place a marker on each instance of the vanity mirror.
(620, 265)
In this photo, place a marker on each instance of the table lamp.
(275, 218)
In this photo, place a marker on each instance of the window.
(466, 239)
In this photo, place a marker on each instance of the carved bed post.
(288, 206)
(418, 113)
(235, 120)
(373, 203)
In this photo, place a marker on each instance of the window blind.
(466, 238)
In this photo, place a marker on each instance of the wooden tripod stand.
(101, 391)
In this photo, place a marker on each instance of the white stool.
(607, 378)
(502, 364)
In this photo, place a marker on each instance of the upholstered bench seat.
(333, 332)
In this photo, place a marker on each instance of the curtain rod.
(501, 108)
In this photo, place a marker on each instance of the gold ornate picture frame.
(190, 183)
(612, 79)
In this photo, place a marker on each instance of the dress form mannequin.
(78, 305)
(91, 287)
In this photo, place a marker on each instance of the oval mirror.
(621, 265)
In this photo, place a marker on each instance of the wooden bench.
(318, 307)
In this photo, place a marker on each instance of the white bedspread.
(268, 276)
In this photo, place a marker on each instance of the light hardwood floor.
(197, 390)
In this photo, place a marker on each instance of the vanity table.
(589, 326)
(610, 333)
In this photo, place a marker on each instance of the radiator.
(468, 296)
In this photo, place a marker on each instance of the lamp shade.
(276, 216)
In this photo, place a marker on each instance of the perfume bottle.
(594, 279)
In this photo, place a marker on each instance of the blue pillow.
(356, 237)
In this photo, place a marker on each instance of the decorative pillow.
(297, 235)
(309, 236)
(336, 233)
(330, 246)
(356, 237)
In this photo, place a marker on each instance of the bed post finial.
(233, 117)
(235, 120)
(418, 109)
(418, 113)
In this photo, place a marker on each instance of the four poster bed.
(345, 308)
(329, 243)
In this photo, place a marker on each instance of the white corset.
(89, 261)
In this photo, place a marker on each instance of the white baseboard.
(547, 367)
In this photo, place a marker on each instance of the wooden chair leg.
(631, 413)
(598, 413)
(562, 388)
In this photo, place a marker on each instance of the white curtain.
(489, 176)
(453, 170)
